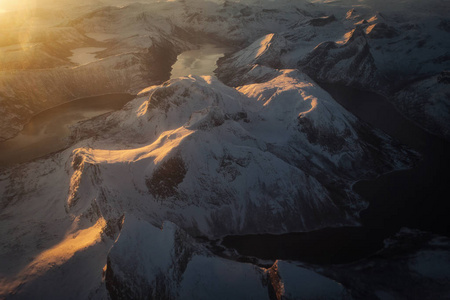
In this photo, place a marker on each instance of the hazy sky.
(441, 6)
(10, 5)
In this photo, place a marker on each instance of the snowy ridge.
(210, 158)
(265, 51)
(141, 191)
(410, 30)
(350, 63)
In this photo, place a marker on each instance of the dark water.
(48, 131)
(413, 198)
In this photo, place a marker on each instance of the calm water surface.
(48, 131)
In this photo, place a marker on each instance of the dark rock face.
(444, 77)
(167, 177)
(327, 139)
(158, 60)
(381, 31)
(322, 21)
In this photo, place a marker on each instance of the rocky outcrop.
(322, 21)
(290, 281)
(381, 31)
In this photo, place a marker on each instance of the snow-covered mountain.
(205, 156)
(265, 51)
(129, 208)
(348, 63)
(427, 101)
(362, 43)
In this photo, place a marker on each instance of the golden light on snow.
(370, 28)
(346, 37)
(265, 44)
(71, 244)
(57, 255)
(158, 150)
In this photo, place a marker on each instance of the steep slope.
(214, 160)
(350, 63)
(266, 51)
(166, 263)
(206, 157)
(427, 102)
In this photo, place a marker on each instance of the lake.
(47, 131)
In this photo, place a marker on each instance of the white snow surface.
(233, 155)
